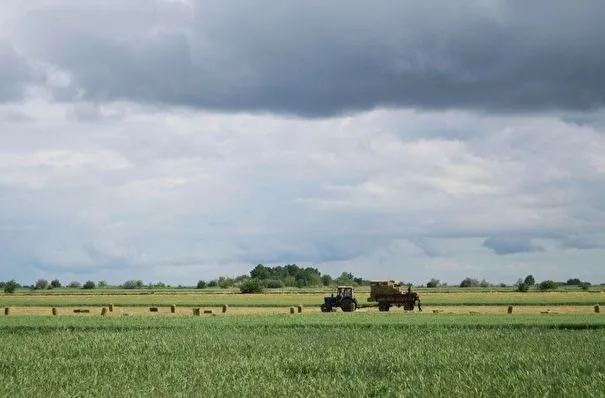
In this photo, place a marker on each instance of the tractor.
(345, 300)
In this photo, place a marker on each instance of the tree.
(41, 284)
(251, 286)
(75, 284)
(573, 282)
(89, 285)
(274, 284)
(548, 285)
(102, 284)
(468, 282)
(201, 284)
(55, 283)
(326, 280)
(11, 286)
(433, 283)
(133, 284)
(529, 280)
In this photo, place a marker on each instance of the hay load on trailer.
(392, 293)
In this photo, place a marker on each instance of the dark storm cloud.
(323, 58)
(511, 244)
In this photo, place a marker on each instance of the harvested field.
(290, 299)
(235, 311)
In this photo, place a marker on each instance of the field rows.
(317, 355)
(288, 299)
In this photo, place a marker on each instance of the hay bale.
(208, 312)
(7, 311)
(224, 308)
(54, 311)
(597, 309)
(300, 308)
(173, 309)
(81, 311)
(110, 307)
(103, 311)
(291, 310)
(196, 312)
(510, 309)
(153, 309)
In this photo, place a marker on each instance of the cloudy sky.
(173, 141)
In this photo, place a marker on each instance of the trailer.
(392, 293)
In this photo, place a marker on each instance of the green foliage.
(433, 283)
(224, 283)
(529, 280)
(89, 285)
(133, 284)
(201, 284)
(102, 284)
(41, 284)
(522, 287)
(326, 280)
(11, 286)
(291, 275)
(273, 284)
(469, 282)
(55, 283)
(251, 286)
(548, 285)
(75, 285)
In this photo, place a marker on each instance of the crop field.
(304, 355)
(191, 299)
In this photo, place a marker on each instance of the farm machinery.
(345, 300)
(391, 293)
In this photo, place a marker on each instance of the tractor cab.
(345, 299)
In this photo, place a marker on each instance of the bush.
(251, 286)
(55, 283)
(522, 287)
(89, 285)
(11, 286)
(201, 284)
(274, 284)
(133, 284)
(468, 282)
(548, 285)
(75, 284)
(41, 284)
(433, 283)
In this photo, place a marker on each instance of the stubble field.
(472, 350)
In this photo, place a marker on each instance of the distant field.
(196, 298)
(304, 355)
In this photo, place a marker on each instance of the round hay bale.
(54, 311)
(208, 312)
(196, 312)
(173, 309)
(597, 309)
(110, 307)
(224, 308)
(103, 311)
(300, 308)
(7, 311)
(153, 309)
(510, 309)
(291, 310)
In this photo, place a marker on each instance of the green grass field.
(310, 355)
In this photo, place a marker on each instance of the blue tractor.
(345, 300)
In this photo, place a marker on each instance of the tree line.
(288, 276)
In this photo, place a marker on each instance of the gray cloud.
(15, 73)
(321, 59)
(511, 244)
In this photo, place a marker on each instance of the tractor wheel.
(384, 307)
(324, 308)
(347, 305)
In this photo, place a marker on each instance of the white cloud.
(149, 193)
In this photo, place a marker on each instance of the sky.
(173, 141)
